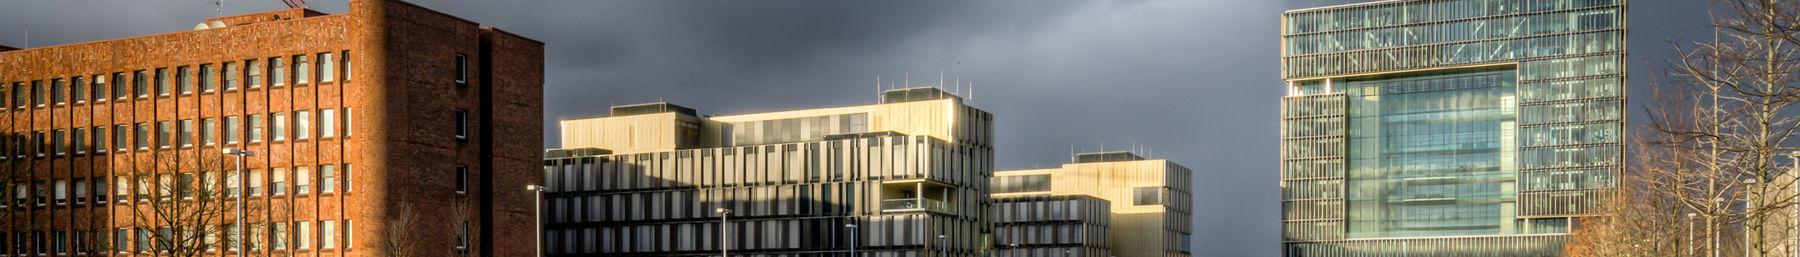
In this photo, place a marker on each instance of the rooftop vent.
(650, 108)
(1107, 157)
(915, 94)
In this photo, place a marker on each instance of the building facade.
(1052, 225)
(357, 120)
(1150, 204)
(907, 177)
(1449, 127)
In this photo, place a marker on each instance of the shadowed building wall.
(1151, 204)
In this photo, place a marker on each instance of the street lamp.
(537, 217)
(1749, 182)
(943, 248)
(1690, 242)
(240, 195)
(852, 227)
(724, 241)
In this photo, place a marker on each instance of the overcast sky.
(1194, 80)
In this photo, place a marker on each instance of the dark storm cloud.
(1194, 80)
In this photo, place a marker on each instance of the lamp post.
(852, 227)
(724, 240)
(1690, 251)
(943, 248)
(537, 218)
(240, 196)
(1748, 211)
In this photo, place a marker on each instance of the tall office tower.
(1448, 127)
(354, 119)
(906, 177)
(1150, 202)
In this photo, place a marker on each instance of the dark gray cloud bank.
(1194, 80)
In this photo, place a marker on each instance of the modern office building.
(1448, 127)
(1052, 225)
(354, 119)
(906, 177)
(1151, 207)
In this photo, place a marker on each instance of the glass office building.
(1448, 127)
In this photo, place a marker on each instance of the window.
(280, 68)
(41, 194)
(139, 83)
(327, 67)
(232, 184)
(256, 73)
(164, 134)
(162, 81)
(462, 69)
(305, 234)
(185, 78)
(37, 93)
(327, 123)
(231, 76)
(346, 65)
(122, 189)
(119, 137)
(1147, 196)
(186, 128)
(302, 73)
(349, 225)
(58, 92)
(462, 235)
(330, 237)
(56, 142)
(75, 140)
(281, 127)
(77, 89)
(100, 193)
(19, 95)
(37, 143)
(348, 182)
(231, 129)
(184, 186)
(100, 139)
(143, 136)
(256, 128)
(122, 240)
(281, 235)
(302, 124)
(99, 88)
(256, 182)
(462, 179)
(81, 191)
(302, 180)
(208, 80)
(327, 178)
(62, 192)
(462, 124)
(349, 123)
(208, 129)
(279, 185)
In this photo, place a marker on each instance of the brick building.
(354, 118)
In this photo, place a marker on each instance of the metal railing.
(916, 204)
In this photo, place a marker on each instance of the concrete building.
(906, 177)
(1052, 225)
(354, 118)
(1150, 204)
(1448, 127)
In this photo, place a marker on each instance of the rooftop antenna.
(220, 5)
(878, 89)
(971, 90)
(908, 80)
(940, 84)
(1071, 153)
(959, 85)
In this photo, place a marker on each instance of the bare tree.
(191, 209)
(1719, 127)
(399, 235)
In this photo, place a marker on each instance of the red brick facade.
(393, 99)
